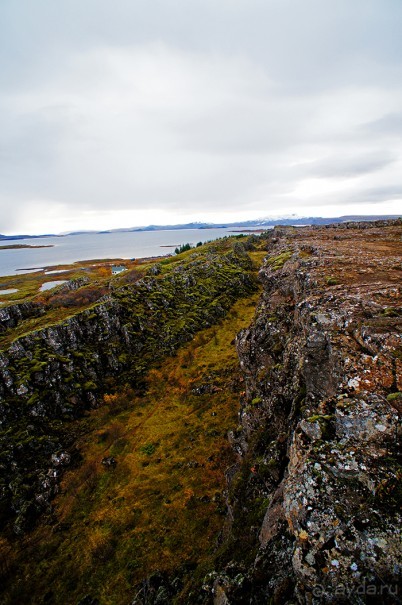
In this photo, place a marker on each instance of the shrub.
(77, 298)
(148, 449)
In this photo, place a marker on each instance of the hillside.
(197, 436)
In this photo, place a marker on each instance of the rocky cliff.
(51, 376)
(12, 315)
(315, 499)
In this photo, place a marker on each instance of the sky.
(136, 112)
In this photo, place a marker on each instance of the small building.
(116, 269)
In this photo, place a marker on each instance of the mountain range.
(251, 224)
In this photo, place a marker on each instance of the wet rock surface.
(315, 504)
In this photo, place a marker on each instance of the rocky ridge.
(315, 499)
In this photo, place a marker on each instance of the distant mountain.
(13, 237)
(252, 224)
(310, 220)
(265, 222)
(196, 225)
(256, 223)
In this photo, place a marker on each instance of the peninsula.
(17, 246)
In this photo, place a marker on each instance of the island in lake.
(17, 246)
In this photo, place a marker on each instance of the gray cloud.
(388, 125)
(349, 167)
(200, 109)
(377, 194)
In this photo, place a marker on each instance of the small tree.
(183, 248)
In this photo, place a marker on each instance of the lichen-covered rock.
(12, 315)
(320, 436)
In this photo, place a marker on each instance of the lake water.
(72, 248)
(51, 284)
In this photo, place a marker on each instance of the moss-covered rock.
(61, 370)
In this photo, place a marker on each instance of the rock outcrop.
(12, 315)
(315, 504)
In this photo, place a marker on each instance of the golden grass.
(160, 506)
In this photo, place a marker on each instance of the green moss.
(392, 312)
(164, 504)
(62, 359)
(394, 396)
(277, 262)
(326, 424)
(33, 399)
(320, 418)
(90, 386)
(37, 367)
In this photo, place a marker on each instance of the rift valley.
(221, 426)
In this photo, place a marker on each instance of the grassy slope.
(160, 313)
(98, 271)
(160, 507)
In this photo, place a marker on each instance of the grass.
(161, 313)
(158, 507)
(28, 284)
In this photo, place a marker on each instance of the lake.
(51, 284)
(72, 248)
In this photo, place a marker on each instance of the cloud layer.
(167, 110)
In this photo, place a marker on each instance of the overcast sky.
(134, 112)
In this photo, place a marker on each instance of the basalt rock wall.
(315, 499)
(12, 315)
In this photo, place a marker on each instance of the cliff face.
(315, 505)
(11, 316)
(51, 376)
